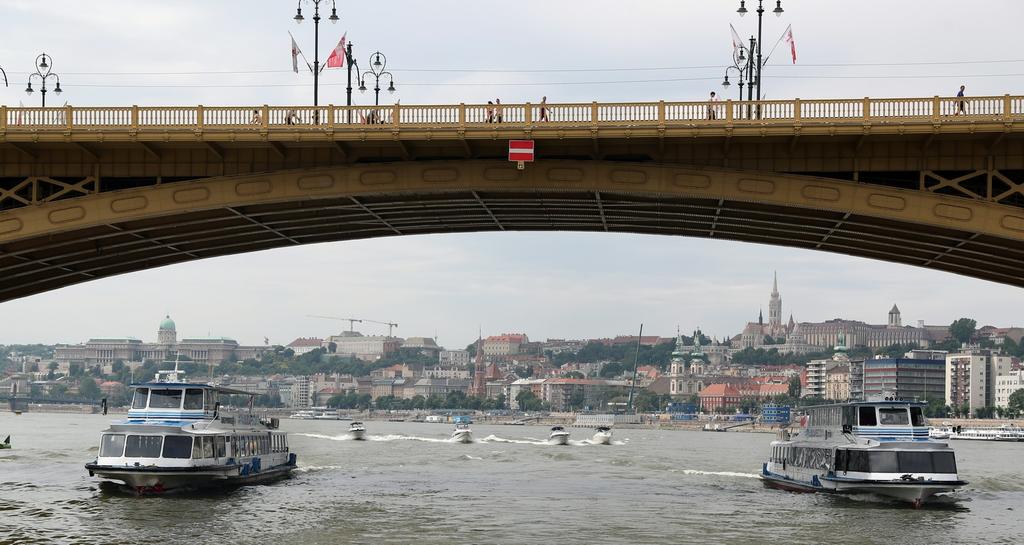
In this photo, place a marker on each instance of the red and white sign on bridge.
(520, 151)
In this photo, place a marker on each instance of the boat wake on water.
(383, 438)
(716, 473)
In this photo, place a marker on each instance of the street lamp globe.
(29, 88)
(376, 60)
(43, 63)
(57, 90)
(362, 86)
(298, 16)
(334, 15)
(391, 86)
(725, 83)
(743, 8)
(778, 8)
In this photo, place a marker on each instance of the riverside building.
(98, 352)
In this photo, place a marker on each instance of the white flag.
(295, 54)
(737, 43)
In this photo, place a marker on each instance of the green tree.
(613, 369)
(1016, 401)
(576, 400)
(528, 401)
(573, 374)
(88, 389)
(963, 329)
(794, 387)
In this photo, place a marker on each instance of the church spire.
(775, 284)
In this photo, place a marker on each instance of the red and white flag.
(737, 43)
(791, 42)
(337, 58)
(295, 54)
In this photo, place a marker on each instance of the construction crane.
(351, 321)
(389, 324)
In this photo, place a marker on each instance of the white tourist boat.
(603, 436)
(177, 438)
(558, 436)
(357, 431)
(462, 433)
(940, 433)
(1006, 433)
(873, 447)
(303, 415)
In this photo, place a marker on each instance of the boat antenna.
(636, 362)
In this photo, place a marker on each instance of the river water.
(408, 484)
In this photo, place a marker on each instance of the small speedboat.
(558, 436)
(357, 431)
(940, 433)
(462, 434)
(603, 436)
(6, 444)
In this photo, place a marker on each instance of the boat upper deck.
(886, 420)
(174, 402)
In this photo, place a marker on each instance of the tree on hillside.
(963, 329)
(87, 387)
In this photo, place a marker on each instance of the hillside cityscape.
(960, 369)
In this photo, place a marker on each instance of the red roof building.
(719, 397)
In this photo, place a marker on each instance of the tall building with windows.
(971, 377)
(908, 378)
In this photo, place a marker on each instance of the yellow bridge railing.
(1005, 108)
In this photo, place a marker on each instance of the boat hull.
(601, 438)
(357, 435)
(462, 437)
(559, 439)
(913, 492)
(155, 480)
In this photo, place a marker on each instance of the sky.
(548, 285)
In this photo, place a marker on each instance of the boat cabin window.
(143, 446)
(165, 399)
(193, 399)
(197, 448)
(917, 417)
(141, 394)
(112, 445)
(177, 446)
(867, 416)
(208, 449)
(880, 461)
(219, 447)
(893, 416)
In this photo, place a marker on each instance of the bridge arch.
(63, 242)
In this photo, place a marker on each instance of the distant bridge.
(24, 401)
(86, 193)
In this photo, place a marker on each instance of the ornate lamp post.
(378, 63)
(760, 17)
(316, 39)
(44, 71)
(741, 63)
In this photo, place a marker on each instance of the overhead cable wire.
(556, 70)
(520, 84)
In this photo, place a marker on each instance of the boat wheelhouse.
(179, 437)
(877, 447)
